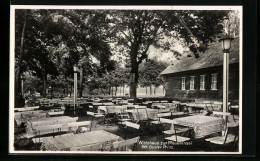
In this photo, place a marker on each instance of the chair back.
(33, 116)
(132, 125)
(159, 115)
(126, 143)
(231, 137)
(55, 113)
(177, 113)
(90, 113)
(47, 129)
(169, 121)
(142, 114)
(118, 111)
(82, 123)
(220, 114)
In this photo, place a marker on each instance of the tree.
(35, 43)
(20, 28)
(84, 40)
(150, 73)
(137, 30)
(54, 40)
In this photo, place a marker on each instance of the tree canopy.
(50, 42)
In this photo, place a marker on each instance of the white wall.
(141, 91)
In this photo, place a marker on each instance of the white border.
(12, 72)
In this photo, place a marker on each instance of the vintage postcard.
(125, 80)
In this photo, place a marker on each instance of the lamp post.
(22, 79)
(75, 69)
(226, 45)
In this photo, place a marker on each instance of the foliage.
(150, 73)
(136, 30)
(55, 40)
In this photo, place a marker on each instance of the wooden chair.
(46, 129)
(33, 116)
(157, 125)
(131, 128)
(174, 129)
(208, 105)
(178, 114)
(59, 113)
(95, 117)
(234, 109)
(176, 134)
(107, 114)
(221, 115)
(121, 116)
(142, 114)
(125, 144)
(230, 138)
(80, 127)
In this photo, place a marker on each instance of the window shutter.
(220, 81)
(187, 83)
(197, 82)
(207, 81)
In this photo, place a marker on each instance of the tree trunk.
(104, 93)
(120, 90)
(154, 90)
(112, 91)
(134, 82)
(67, 90)
(52, 89)
(146, 89)
(134, 67)
(81, 82)
(44, 84)
(150, 89)
(123, 90)
(115, 90)
(18, 70)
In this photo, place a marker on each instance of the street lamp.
(75, 69)
(22, 79)
(226, 45)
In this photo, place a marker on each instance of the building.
(193, 78)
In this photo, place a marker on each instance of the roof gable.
(212, 57)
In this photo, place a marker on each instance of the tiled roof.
(212, 57)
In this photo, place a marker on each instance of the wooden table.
(31, 124)
(143, 114)
(112, 109)
(79, 142)
(202, 125)
(20, 117)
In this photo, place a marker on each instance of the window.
(192, 82)
(214, 81)
(202, 82)
(183, 83)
